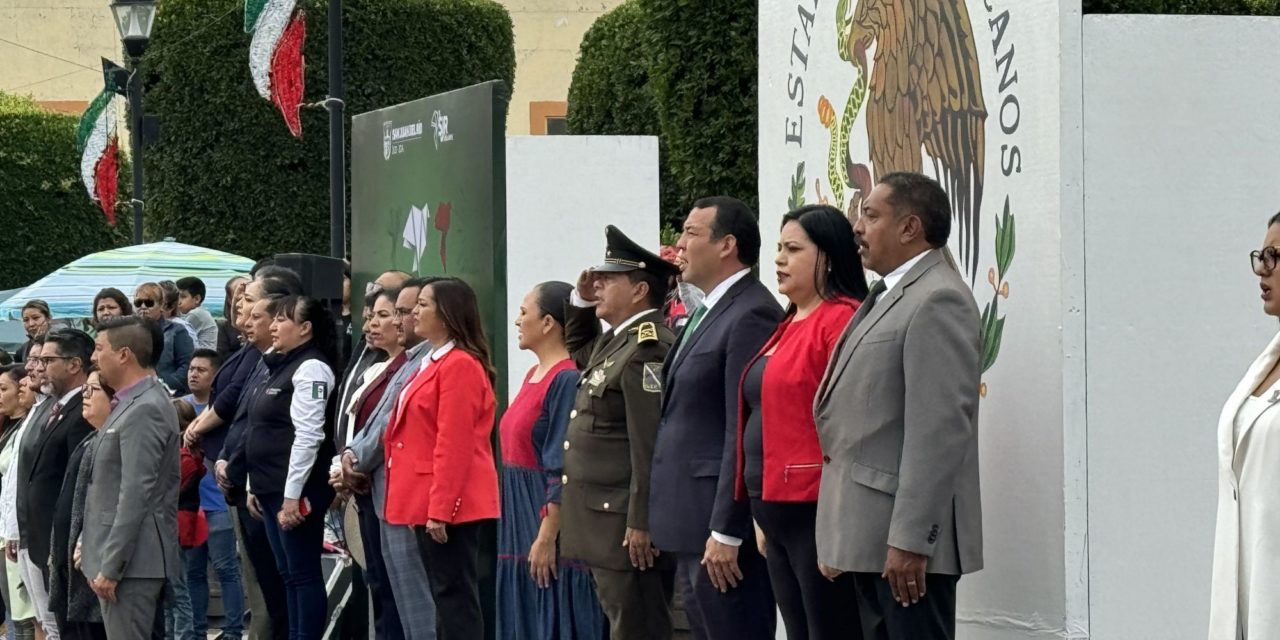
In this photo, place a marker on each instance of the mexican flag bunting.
(275, 55)
(100, 149)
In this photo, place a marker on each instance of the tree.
(47, 217)
(686, 72)
(227, 174)
(1218, 7)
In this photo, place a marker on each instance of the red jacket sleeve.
(462, 425)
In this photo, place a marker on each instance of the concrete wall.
(80, 32)
(1179, 178)
(561, 192)
(548, 34)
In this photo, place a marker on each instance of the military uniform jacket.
(611, 436)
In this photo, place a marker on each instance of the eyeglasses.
(48, 360)
(90, 390)
(1264, 261)
(144, 303)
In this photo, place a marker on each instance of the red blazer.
(439, 457)
(792, 454)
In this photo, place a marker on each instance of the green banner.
(428, 197)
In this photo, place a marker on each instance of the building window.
(548, 118)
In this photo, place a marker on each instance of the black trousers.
(813, 608)
(263, 559)
(386, 618)
(933, 618)
(453, 569)
(83, 630)
(745, 612)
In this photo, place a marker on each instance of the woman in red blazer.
(779, 458)
(441, 474)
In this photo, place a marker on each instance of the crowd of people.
(819, 459)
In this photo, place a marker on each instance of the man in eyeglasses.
(42, 460)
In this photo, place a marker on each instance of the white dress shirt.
(892, 280)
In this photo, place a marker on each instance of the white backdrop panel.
(1180, 178)
(561, 193)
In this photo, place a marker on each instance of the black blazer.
(695, 458)
(43, 464)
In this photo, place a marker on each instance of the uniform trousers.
(813, 608)
(933, 618)
(637, 603)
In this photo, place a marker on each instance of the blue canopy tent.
(70, 290)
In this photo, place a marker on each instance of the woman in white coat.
(1246, 557)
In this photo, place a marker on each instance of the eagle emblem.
(923, 98)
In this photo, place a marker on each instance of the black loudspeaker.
(321, 275)
(322, 279)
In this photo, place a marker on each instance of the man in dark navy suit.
(722, 575)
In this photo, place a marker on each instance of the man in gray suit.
(130, 538)
(897, 415)
(363, 471)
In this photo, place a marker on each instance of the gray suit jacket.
(897, 415)
(367, 445)
(131, 508)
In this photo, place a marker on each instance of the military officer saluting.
(609, 446)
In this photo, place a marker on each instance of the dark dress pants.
(263, 559)
(933, 618)
(386, 618)
(813, 608)
(745, 612)
(453, 569)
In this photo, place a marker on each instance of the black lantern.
(134, 19)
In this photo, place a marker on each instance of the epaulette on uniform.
(646, 332)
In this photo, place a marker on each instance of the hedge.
(703, 73)
(1217, 7)
(227, 174)
(47, 217)
(609, 94)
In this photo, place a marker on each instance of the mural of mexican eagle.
(924, 94)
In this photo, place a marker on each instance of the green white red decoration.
(275, 55)
(100, 150)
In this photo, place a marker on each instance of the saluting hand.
(640, 548)
(587, 285)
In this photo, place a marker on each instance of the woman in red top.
(779, 458)
(540, 595)
(440, 468)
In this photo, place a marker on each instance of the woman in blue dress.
(540, 596)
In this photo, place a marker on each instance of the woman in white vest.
(1246, 558)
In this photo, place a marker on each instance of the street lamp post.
(134, 19)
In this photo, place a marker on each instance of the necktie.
(694, 321)
(53, 416)
(873, 296)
